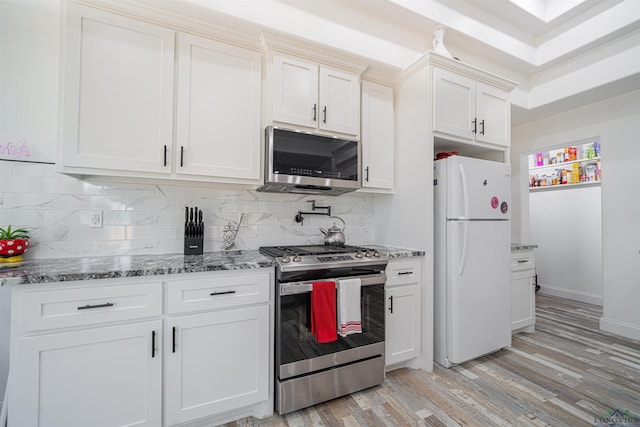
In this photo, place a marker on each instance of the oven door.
(297, 350)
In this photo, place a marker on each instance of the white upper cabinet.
(468, 109)
(218, 109)
(307, 94)
(377, 136)
(118, 103)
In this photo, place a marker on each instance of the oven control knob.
(285, 259)
(360, 255)
(376, 253)
(369, 254)
(296, 258)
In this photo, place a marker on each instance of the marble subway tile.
(127, 189)
(65, 217)
(49, 234)
(82, 201)
(36, 201)
(150, 203)
(67, 185)
(137, 232)
(21, 184)
(141, 217)
(21, 217)
(42, 170)
(98, 233)
(5, 168)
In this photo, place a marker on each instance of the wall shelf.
(564, 186)
(563, 164)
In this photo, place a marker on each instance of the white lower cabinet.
(523, 296)
(103, 353)
(403, 316)
(216, 362)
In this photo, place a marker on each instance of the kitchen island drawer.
(79, 306)
(403, 272)
(523, 260)
(217, 291)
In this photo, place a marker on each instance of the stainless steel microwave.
(308, 163)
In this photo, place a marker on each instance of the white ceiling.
(562, 53)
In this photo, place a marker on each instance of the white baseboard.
(571, 294)
(617, 327)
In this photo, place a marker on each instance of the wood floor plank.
(566, 373)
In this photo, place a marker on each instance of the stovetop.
(310, 257)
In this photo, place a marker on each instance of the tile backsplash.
(149, 218)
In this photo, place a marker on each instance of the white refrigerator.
(472, 250)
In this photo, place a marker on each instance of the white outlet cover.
(95, 219)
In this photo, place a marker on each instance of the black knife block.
(193, 245)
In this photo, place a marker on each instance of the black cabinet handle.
(475, 125)
(403, 273)
(324, 114)
(521, 261)
(153, 343)
(366, 170)
(89, 307)
(222, 293)
(165, 155)
(173, 344)
(391, 304)
(482, 124)
(315, 106)
(181, 155)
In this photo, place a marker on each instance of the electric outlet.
(95, 219)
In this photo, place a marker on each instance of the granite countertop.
(108, 267)
(87, 268)
(522, 246)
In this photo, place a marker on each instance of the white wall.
(616, 121)
(566, 224)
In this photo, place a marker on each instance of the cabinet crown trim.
(439, 61)
(313, 52)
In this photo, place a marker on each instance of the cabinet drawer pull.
(391, 304)
(89, 307)
(482, 124)
(315, 107)
(165, 155)
(222, 293)
(404, 273)
(366, 178)
(522, 261)
(324, 114)
(153, 343)
(181, 155)
(173, 344)
(475, 125)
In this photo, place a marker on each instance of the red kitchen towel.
(323, 312)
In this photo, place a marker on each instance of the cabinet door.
(402, 323)
(118, 111)
(94, 377)
(454, 104)
(493, 110)
(339, 101)
(377, 136)
(218, 109)
(217, 362)
(523, 304)
(295, 91)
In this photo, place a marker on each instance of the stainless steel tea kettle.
(334, 235)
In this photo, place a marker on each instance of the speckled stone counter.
(393, 252)
(522, 246)
(86, 268)
(91, 268)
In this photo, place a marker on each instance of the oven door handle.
(293, 288)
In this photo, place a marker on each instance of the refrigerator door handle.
(463, 258)
(465, 191)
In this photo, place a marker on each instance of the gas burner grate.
(278, 251)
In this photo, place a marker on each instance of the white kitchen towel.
(349, 317)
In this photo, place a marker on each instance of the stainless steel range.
(308, 372)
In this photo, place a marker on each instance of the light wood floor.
(567, 373)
